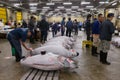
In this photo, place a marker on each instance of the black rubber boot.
(94, 51)
(87, 45)
(101, 56)
(105, 59)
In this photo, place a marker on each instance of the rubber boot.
(101, 56)
(105, 59)
(94, 50)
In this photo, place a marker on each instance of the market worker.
(17, 37)
(95, 34)
(107, 29)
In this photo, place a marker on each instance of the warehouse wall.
(59, 18)
(118, 21)
(11, 14)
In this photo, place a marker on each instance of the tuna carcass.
(48, 61)
(62, 44)
(62, 41)
(116, 41)
(56, 49)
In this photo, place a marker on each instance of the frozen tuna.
(56, 49)
(48, 61)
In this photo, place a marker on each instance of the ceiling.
(61, 7)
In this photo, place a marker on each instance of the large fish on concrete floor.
(56, 49)
(48, 61)
(116, 41)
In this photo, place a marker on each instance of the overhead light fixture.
(68, 9)
(73, 11)
(16, 4)
(57, 0)
(33, 4)
(85, 2)
(89, 6)
(114, 4)
(75, 7)
(42, 13)
(49, 4)
(57, 9)
(102, 2)
(33, 8)
(46, 7)
(80, 9)
(67, 3)
(61, 7)
(106, 2)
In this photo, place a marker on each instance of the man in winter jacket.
(107, 29)
(95, 33)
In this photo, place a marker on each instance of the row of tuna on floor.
(55, 54)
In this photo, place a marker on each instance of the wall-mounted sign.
(19, 16)
(3, 14)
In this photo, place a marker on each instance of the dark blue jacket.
(62, 23)
(19, 34)
(107, 29)
(96, 27)
(69, 24)
(55, 27)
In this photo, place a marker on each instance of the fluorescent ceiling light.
(57, 9)
(57, 0)
(46, 7)
(73, 11)
(33, 4)
(114, 4)
(50, 4)
(16, 4)
(80, 9)
(75, 7)
(61, 7)
(101, 2)
(42, 13)
(85, 2)
(33, 8)
(89, 6)
(67, 3)
(68, 9)
(106, 2)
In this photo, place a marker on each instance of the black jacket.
(107, 29)
(31, 24)
(43, 25)
(88, 26)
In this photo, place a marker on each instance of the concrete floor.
(89, 67)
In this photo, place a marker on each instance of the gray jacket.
(107, 29)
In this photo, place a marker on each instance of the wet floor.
(89, 67)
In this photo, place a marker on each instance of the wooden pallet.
(35, 74)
